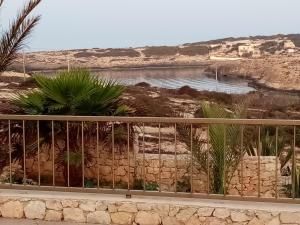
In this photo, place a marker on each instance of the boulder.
(54, 204)
(221, 213)
(74, 215)
(35, 210)
(121, 218)
(88, 206)
(99, 217)
(52, 215)
(12, 209)
(289, 217)
(205, 212)
(128, 207)
(146, 218)
(237, 216)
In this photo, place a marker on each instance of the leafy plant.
(184, 185)
(69, 93)
(267, 144)
(13, 40)
(138, 184)
(219, 155)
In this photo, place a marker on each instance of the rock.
(54, 204)
(193, 221)
(171, 221)
(264, 216)
(12, 209)
(256, 221)
(35, 210)
(215, 221)
(101, 206)
(74, 215)
(112, 208)
(144, 207)
(121, 218)
(99, 217)
(128, 207)
(146, 218)
(237, 216)
(52, 215)
(174, 210)
(186, 214)
(205, 212)
(162, 209)
(275, 221)
(221, 213)
(69, 203)
(88, 206)
(289, 217)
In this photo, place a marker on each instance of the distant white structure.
(288, 44)
(249, 50)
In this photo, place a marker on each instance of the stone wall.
(105, 210)
(148, 166)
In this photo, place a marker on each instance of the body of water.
(178, 77)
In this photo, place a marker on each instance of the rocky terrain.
(271, 61)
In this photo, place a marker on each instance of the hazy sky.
(69, 24)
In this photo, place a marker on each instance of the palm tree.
(13, 40)
(218, 155)
(70, 93)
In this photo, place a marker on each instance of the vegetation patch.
(160, 51)
(194, 50)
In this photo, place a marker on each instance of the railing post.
(294, 164)
(113, 154)
(159, 154)
(276, 163)
(24, 153)
(175, 156)
(258, 159)
(9, 149)
(97, 149)
(38, 155)
(68, 155)
(53, 153)
(128, 155)
(192, 160)
(82, 152)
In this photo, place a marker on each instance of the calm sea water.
(176, 78)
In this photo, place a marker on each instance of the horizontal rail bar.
(152, 193)
(278, 122)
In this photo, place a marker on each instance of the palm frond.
(13, 40)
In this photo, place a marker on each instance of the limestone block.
(98, 217)
(12, 209)
(171, 221)
(122, 218)
(146, 218)
(52, 215)
(289, 217)
(69, 203)
(88, 206)
(204, 212)
(128, 207)
(186, 214)
(74, 215)
(35, 210)
(238, 216)
(221, 213)
(144, 207)
(54, 204)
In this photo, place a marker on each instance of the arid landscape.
(270, 61)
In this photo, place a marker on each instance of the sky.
(74, 24)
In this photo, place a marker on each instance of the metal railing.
(24, 137)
